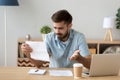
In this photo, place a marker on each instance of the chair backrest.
(112, 49)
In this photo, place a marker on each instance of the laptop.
(105, 65)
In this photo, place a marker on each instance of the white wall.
(31, 14)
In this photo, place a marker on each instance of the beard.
(63, 37)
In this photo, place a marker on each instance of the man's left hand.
(75, 55)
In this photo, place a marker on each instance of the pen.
(36, 70)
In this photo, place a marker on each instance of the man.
(65, 46)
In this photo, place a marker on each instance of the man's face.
(61, 29)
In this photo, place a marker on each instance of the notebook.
(105, 65)
(36, 71)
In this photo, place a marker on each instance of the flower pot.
(43, 36)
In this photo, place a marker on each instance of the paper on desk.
(60, 73)
(39, 50)
(36, 71)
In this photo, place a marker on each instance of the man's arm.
(86, 61)
(37, 63)
(26, 49)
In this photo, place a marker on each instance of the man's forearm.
(37, 63)
(85, 61)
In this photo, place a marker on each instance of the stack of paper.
(60, 73)
(39, 50)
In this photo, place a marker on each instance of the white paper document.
(60, 73)
(39, 50)
(36, 71)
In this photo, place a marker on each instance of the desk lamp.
(7, 3)
(108, 24)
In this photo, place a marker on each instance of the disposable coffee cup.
(77, 70)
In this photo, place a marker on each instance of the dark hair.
(62, 15)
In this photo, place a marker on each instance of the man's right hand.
(26, 49)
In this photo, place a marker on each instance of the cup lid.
(77, 65)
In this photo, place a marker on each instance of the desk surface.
(21, 73)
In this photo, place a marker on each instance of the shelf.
(95, 47)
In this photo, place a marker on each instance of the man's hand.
(75, 55)
(26, 49)
(86, 61)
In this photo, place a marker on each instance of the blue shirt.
(60, 52)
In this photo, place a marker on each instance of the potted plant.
(45, 30)
(118, 19)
